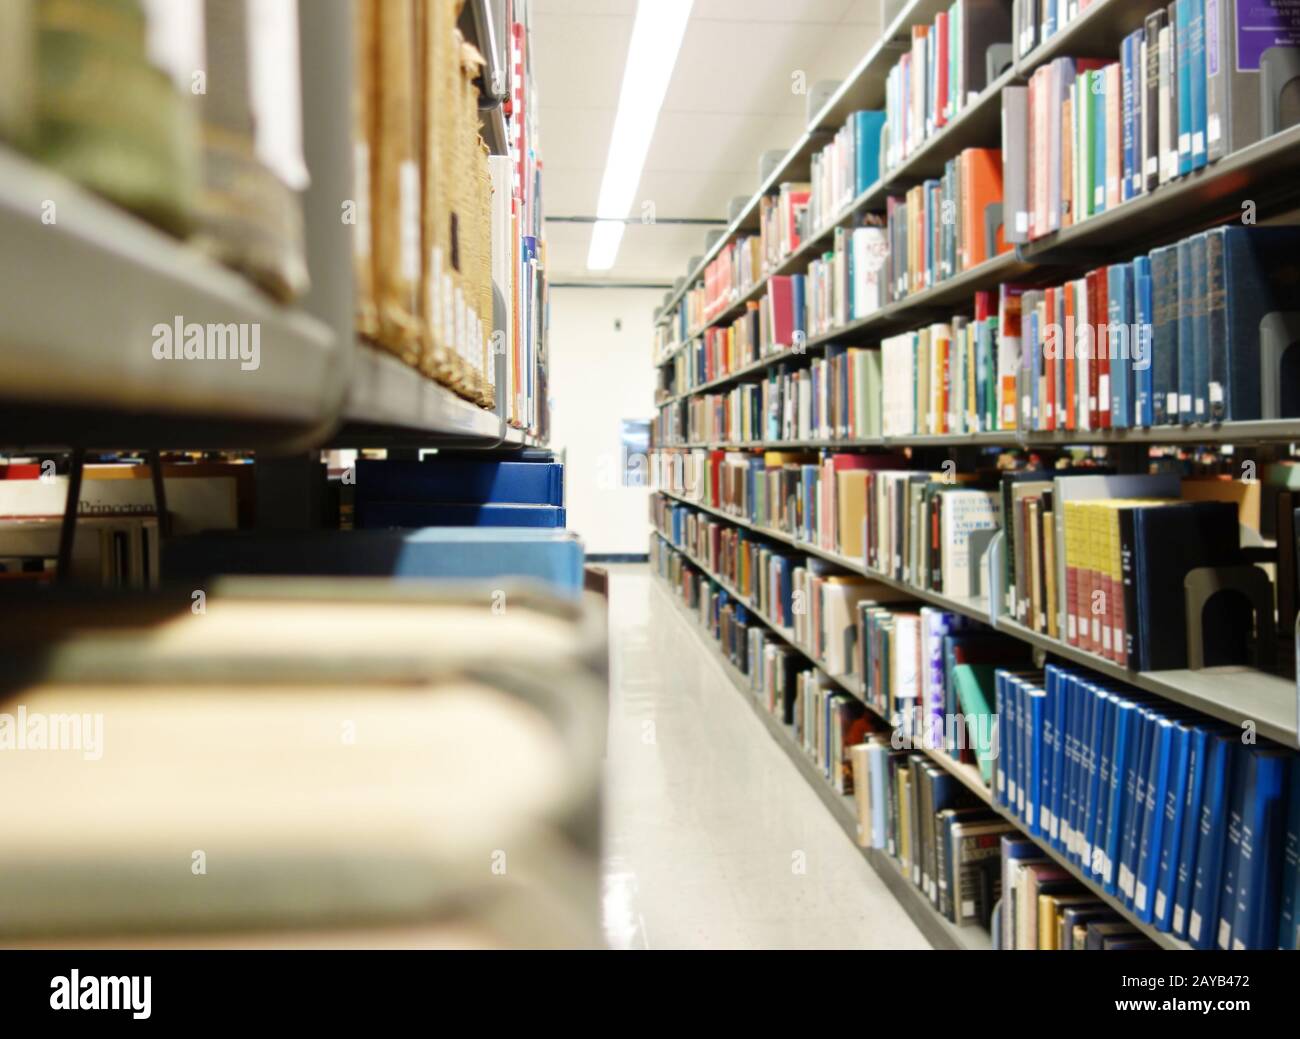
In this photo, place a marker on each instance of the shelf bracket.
(68, 532)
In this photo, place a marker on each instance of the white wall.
(599, 376)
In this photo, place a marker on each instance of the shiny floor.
(713, 840)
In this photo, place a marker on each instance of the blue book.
(1130, 114)
(1170, 822)
(1263, 840)
(1127, 714)
(1186, 332)
(461, 481)
(1140, 346)
(1200, 330)
(1220, 773)
(1083, 769)
(1003, 715)
(1060, 710)
(867, 126)
(1097, 700)
(1183, 47)
(798, 304)
(1148, 841)
(382, 515)
(1135, 784)
(1242, 782)
(1099, 798)
(1289, 921)
(1183, 861)
(878, 760)
(1164, 335)
(1097, 85)
(1119, 300)
(1019, 688)
(1050, 698)
(1035, 699)
(1196, 81)
(1074, 762)
(553, 557)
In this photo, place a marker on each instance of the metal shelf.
(1266, 173)
(938, 930)
(390, 403)
(1095, 32)
(1253, 432)
(1238, 695)
(79, 299)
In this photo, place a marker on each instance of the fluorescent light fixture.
(651, 55)
(605, 238)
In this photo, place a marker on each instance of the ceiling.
(731, 98)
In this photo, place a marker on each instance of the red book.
(780, 297)
(941, 60)
(1101, 301)
(1094, 418)
(1066, 394)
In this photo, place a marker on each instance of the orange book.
(981, 186)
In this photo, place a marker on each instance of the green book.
(975, 684)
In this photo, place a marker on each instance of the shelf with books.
(96, 310)
(1162, 938)
(1271, 703)
(976, 609)
(976, 125)
(863, 88)
(389, 402)
(1261, 174)
(1096, 31)
(1249, 432)
(937, 929)
(1239, 695)
(952, 291)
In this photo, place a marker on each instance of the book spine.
(1151, 124)
(1183, 46)
(1216, 324)
(1197, 80)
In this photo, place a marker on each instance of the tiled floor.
(712, 838)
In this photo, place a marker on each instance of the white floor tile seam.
(714, 838)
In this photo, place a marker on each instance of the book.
(377, 515)
(459, 481)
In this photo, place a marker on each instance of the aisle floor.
(713, 839)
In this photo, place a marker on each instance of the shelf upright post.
(325, 34)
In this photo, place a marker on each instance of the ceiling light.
(651, 55)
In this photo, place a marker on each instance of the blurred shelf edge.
(81, 295)
(1237, 695)
(1254, 431)
(936, 928)
(390, 402)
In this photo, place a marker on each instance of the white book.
(1167, 116)
(961, 513)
